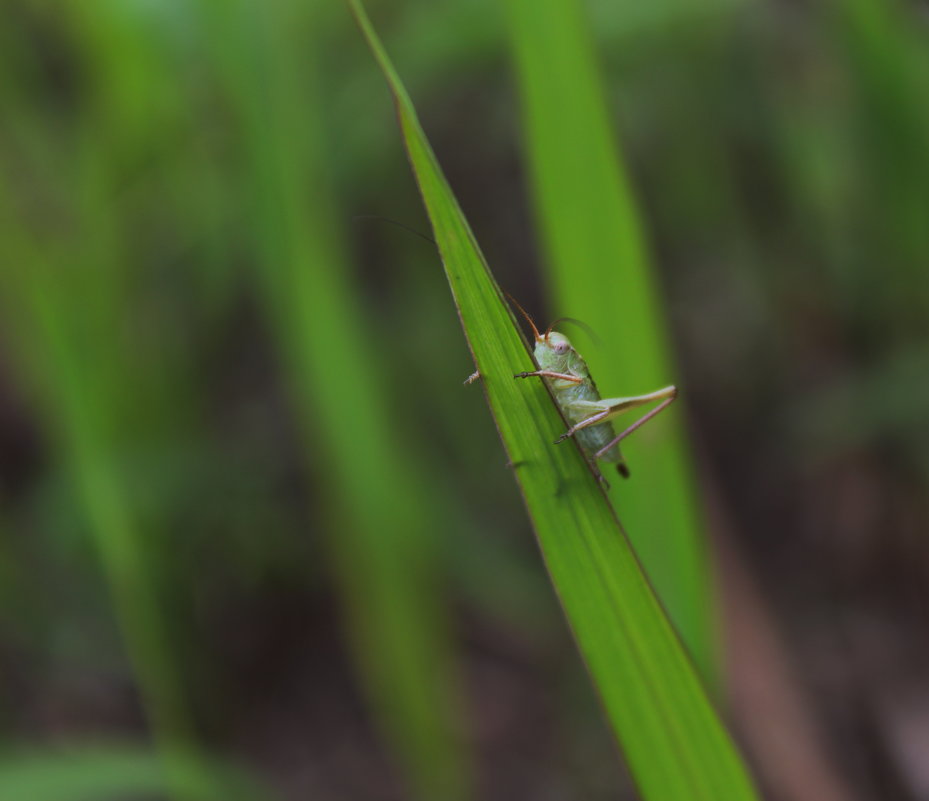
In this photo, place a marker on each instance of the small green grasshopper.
(566, 374)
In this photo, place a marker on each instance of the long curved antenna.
(525, 314)
(398, 224)
(581, 323)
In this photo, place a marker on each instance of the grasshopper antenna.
(581, 323)
(405, 227)
(526, 315)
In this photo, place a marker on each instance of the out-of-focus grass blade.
(67, 305)
(886, 55)
(108, 773)
(672, 738)
(599, 271)
(384, 551)
(78, 409)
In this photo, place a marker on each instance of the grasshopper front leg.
(549, 374)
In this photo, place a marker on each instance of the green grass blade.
(111, 772)
(599, 271)
(75, 402)
(66, 302)
(674, 742)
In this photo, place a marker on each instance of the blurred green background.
(255, 536)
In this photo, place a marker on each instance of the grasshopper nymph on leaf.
(565, 372)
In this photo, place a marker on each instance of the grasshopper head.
(553, 351)
(557, 342)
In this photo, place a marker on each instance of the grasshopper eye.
(560, 347)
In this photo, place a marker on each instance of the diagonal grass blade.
(672, 738)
